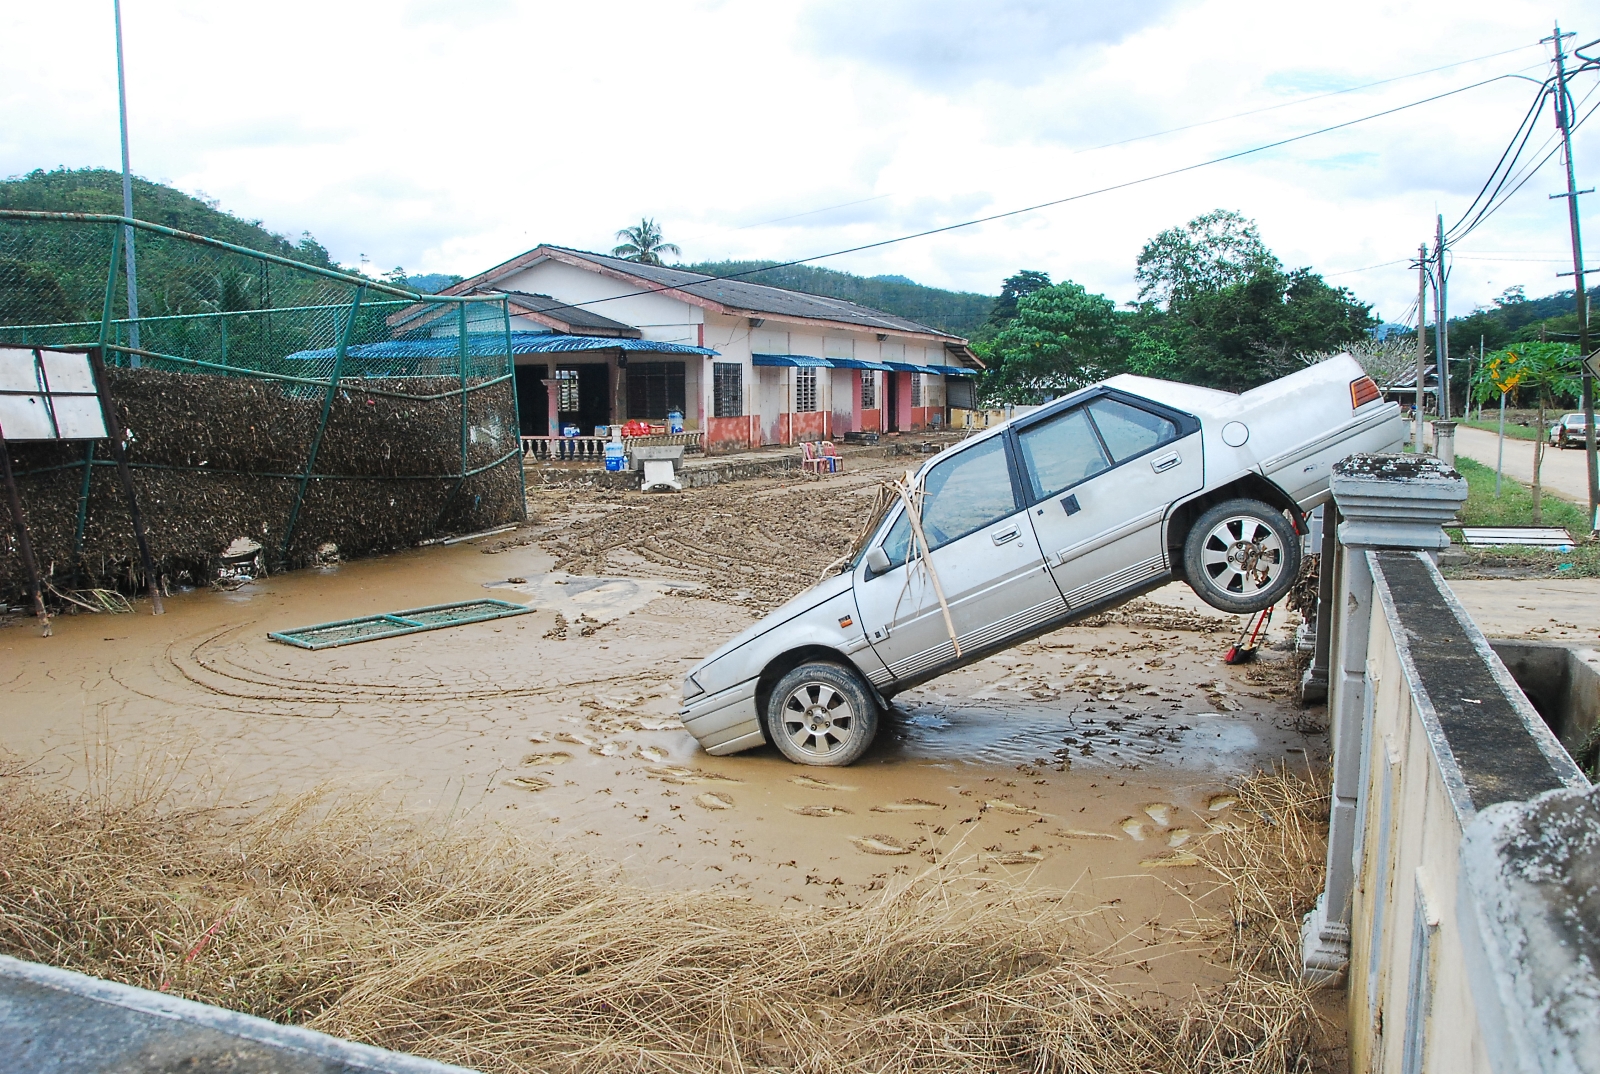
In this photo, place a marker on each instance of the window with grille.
(805, 390)
(654, 388)
(727, 389)
(869, 390)
(567, 391)
(916, 390)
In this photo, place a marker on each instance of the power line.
(1126, 184)
(1307, 100)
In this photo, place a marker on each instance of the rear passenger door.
(1100, 477)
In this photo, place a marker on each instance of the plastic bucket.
(674, 421)
(616, 458)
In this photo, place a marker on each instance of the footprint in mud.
(679, 775)
(574, 739)
(609, 749)
(653, 754)
(1170, 861)
(650, 723)
(1021, 857)
(879, 844)
(1010, 807)
(539, 739)
(1134, 827)
(1160, 812)
(1218, 802)
(1179, 836)
(818, 784)
(528, 783)
(908, 805)
(544, 760)
(820, 810)
(713, 800)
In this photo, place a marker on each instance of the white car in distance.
(1063, 513)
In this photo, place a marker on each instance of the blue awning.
(957, 370)
(856, 363)
(441, 355)
(792, 361)
(907, 367)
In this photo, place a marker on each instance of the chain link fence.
(294, 406)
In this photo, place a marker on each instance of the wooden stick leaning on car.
(910, 492)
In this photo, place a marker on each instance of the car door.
(985, 556)
(1100, 477)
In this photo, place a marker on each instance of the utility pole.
(1422, 334)
(1441, 342)
(127, 192)
(1580, 293)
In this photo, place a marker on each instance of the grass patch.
(1513, 432)
(1514, 507)
(466, 946)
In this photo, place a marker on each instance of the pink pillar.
(552, 390)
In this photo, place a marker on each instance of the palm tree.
(643, 244)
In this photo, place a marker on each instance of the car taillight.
(1362, 391)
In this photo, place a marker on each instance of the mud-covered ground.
(1087, 760)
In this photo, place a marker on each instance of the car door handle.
(1165, 462)
(1010, 533)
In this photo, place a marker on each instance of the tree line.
(1215, 307)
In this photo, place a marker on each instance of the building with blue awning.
(745, 364)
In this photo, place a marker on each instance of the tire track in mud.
(206, 672)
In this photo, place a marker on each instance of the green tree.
(1247, 333)
(30, 294)
(1016, 288)
(643, 244)
(1210, 252)
(1061, 338)
(1548, 370)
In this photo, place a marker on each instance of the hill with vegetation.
(958, 312)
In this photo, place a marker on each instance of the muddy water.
(1089, 760)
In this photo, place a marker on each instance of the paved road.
(1564, 473)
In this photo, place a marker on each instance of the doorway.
(533, 400)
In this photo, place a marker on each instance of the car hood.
(824, 590)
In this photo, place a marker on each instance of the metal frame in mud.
(393, 624)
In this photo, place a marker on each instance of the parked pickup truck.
(1076, 507)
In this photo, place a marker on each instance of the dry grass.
(343, 915)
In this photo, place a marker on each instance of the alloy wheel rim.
(1242, 556)
(818, 719)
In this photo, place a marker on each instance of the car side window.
(961, 495)
(1061, 452)
(1130, 430)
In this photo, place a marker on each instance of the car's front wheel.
(821, 714)
(1241, 556)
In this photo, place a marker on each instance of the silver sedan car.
(1074, 508)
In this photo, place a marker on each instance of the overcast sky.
(448, 137)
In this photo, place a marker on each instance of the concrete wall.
(1473, 936)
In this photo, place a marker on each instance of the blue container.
(674, 421)
(616, 458)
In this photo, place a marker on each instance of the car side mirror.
(878, 560)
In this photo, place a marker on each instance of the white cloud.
(445, 138)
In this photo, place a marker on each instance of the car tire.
(821, 714)
(1241, 556)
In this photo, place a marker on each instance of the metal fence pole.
(464, 350)
(322, 426)
(516, 406)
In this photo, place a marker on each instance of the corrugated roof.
(574, 317)
(760, 298)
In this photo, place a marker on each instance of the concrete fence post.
(1384, 502)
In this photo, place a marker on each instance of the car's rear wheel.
(821, 714)
(1241, 556)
